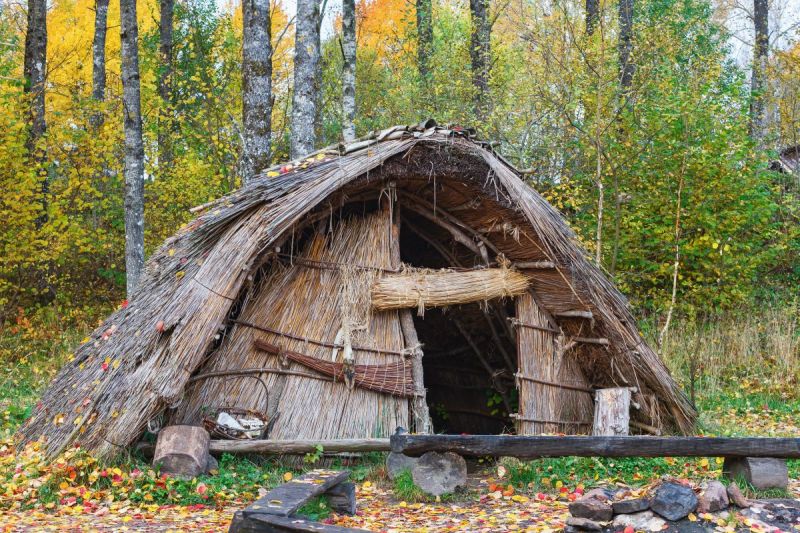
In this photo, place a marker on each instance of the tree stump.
(761, 472)
(342, 498)
(612, 411)
(182, 451)
(440, 473)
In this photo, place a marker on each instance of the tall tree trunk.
(424, 38)
(256, 87)
(480, 53)
(165, 150)
(626, 64)
(134, 148)
(99, 57)
(349, 69)
(592, 15)
(306, 63)
(35, 67)
(758, 87)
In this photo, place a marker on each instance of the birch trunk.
(134, 148)
(256, 87)
(424, 38)
(626, 65)
(480, 53)
(349, 69)
(99, 57)
(165, 153)
(35, 67)
(758, 81)
(306, 62)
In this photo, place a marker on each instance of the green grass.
(404, 488)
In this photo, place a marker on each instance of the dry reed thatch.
(422, 288)
(139, 361)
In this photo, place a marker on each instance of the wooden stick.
(534, 265)
(587, 340)
(575, 314)
(645, 427)
(572, 446)
(554, 384)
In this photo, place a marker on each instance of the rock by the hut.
(583, 524)
(592, 508)
(643, 521)
(398, 462)
(182, 451)
(635, 505)
(440, 473)
(674, 501)
(601, 493)
(714, 498)
(761, 472)
(211, 464)
(735, 495)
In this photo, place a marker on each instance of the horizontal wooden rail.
(300, 446)
(534, 447)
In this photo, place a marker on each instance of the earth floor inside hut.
(469, 357)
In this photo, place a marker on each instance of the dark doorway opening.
(469, 350)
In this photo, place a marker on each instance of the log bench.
(761, 461)
(273, 512)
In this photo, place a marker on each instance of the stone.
(735, 495)
(584, 524)
(635, 505)
(673, 501)
(396, 463)
(601, 493)
(644, 521)
(212, 464)
(761, 472)
(714, 498)
(440, 473)
(182, 451)
(591, 507)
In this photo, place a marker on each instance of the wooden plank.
(298, 446)
(286, 499)
(533, 447)
(342, 498)
(281, 524)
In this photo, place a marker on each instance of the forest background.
(636, 119)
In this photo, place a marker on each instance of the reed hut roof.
(138, 362)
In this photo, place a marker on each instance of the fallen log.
(532, 447)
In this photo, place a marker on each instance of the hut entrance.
(469, 350)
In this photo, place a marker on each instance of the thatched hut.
(410, 278)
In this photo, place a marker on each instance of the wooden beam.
(587, 340)
(286, 499)
(577, 313)
(571, 446)
(298, 446)
(534, 265)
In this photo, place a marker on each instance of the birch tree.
(349, 69)
(134, 148)
(626, 64)
(592, 15)
(256, 87)
(306, 79)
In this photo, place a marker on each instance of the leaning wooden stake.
(419, 404)
(612, 408)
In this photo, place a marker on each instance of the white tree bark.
(758, 80)
(99, 50)
(35, 68)
(256, 87)
(134, 148)
(349, 69)
(306, 62)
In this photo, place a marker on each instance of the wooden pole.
(299, 446)
(525, 447)
(612, 411)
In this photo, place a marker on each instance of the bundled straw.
(423, 288)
